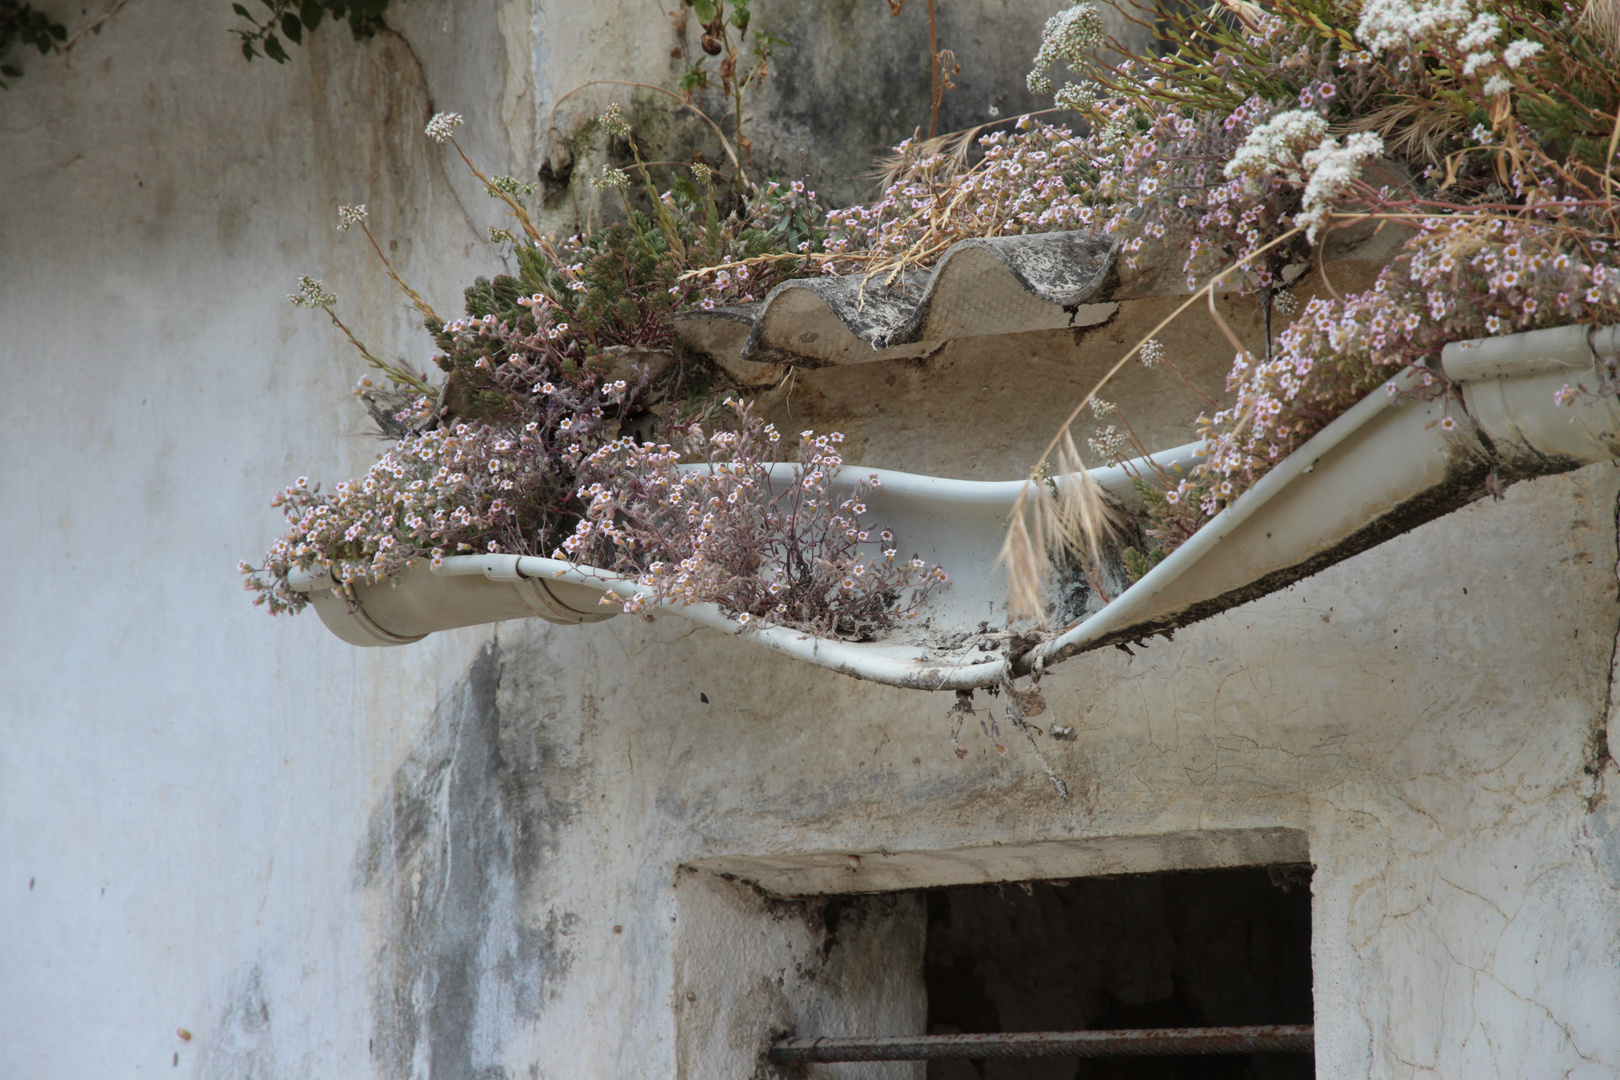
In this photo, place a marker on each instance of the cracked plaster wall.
(462, 859)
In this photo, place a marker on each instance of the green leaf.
(273, 49)
(312, 13)
(240, 10)
(739, 19)
(247, 49)
(58, 31)
(292, 28)
(10, 71)
(704, 9)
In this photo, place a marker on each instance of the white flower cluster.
(1391, 24)
(510, 185)
(1278, 145)
(349, 216)
(611, 178)
(443, 126)
(1332, 169)
(1109, 445)
(615, 122)
(1068, 36)
(311, 294)
(1455, 29)
(1297, 145)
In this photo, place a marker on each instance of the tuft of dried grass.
(1079, 520)
(898, 166)
(1602, 18)
(1416, 127)
(1072, 519)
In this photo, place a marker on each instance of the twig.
(398, 374)
(416, 298)
(1220, 322)
(95, 27)
(933, 70)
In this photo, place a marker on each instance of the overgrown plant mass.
(1483, 133)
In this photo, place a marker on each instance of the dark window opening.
(1198, 949)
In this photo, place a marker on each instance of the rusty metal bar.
(1136, 1042)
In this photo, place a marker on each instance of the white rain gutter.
(955, 523)
(1381, 469)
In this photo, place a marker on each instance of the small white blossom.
(311, 294)
(615, 122)
(351, 215)
(443, 126)
(1519, 51)
(611, 178)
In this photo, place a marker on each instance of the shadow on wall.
(470, 822)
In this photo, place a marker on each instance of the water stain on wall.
(240, 1048)
(467, 828)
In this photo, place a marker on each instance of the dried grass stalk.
(1079, 520)
(1073, 519)
(1246, 13)
(1414, 128)
(1602, 19)
(897, 166)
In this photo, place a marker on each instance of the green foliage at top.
(22, 25)
(291, 19)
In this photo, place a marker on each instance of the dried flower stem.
(398, 374)
(415, 297)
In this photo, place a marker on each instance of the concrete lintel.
(887, 871)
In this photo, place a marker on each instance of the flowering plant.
(503, 485)
(764, 543)
(523, 447)
(1483, 131)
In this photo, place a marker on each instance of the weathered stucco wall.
(464, 858)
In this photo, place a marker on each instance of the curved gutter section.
(958, 524)
(1383, 468)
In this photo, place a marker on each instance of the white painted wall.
(461, 858)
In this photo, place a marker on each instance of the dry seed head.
(1075, 520)
(615, 122)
